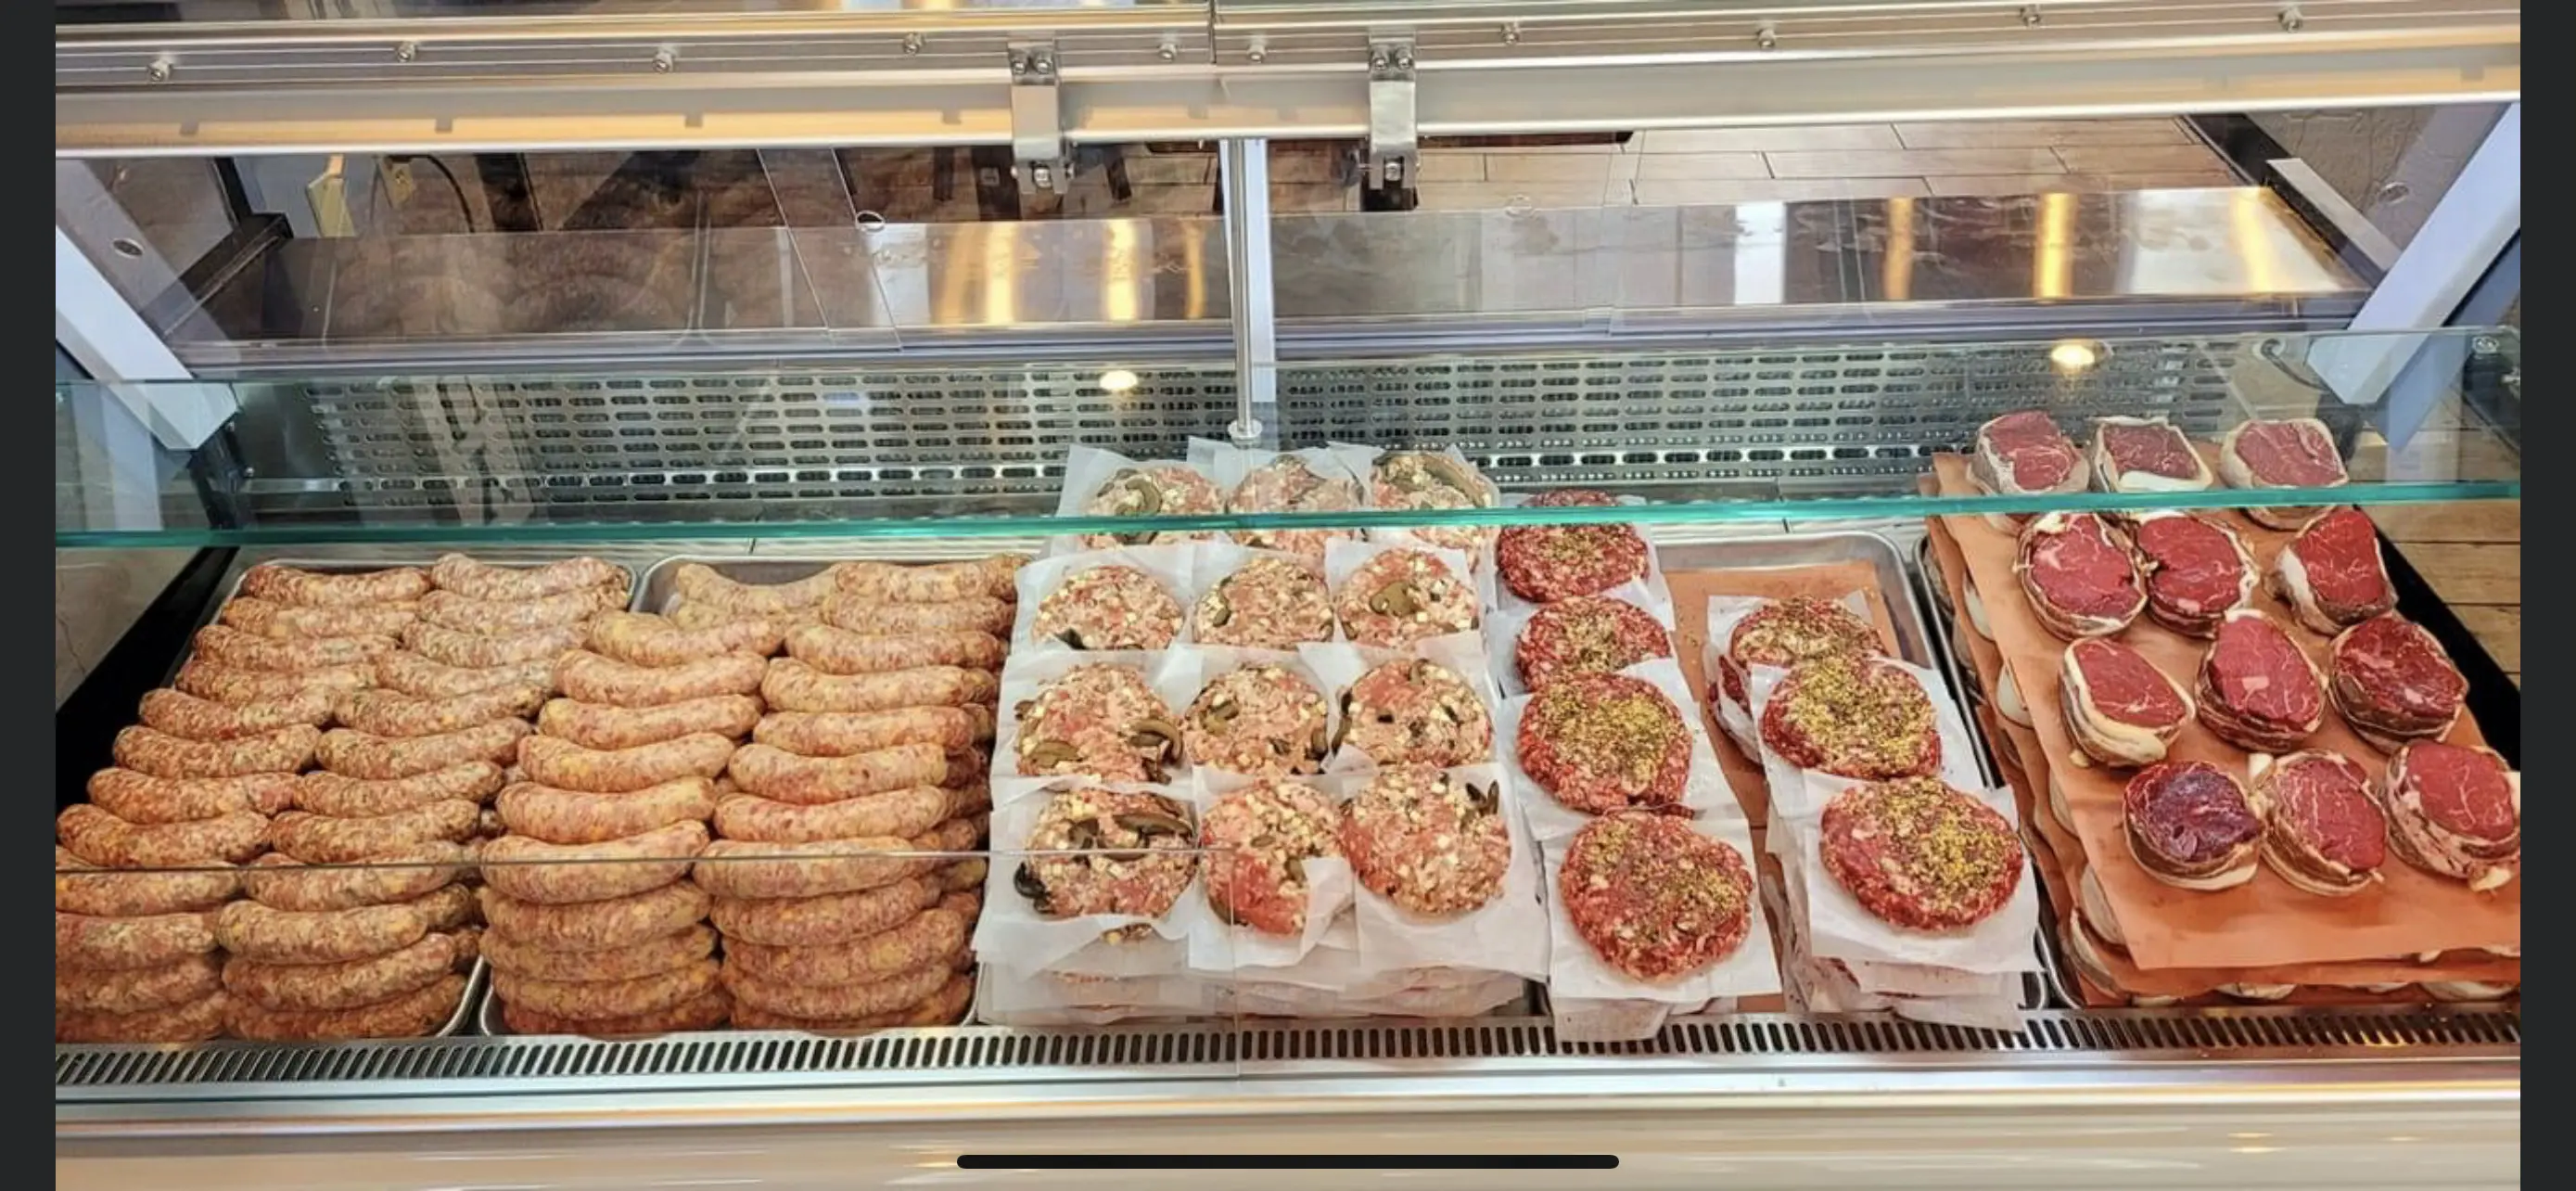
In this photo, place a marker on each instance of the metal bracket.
(1037, 118)
(1393, 143)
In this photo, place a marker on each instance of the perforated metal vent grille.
(1853, 415)
(1847, 414)
(915, 1056)
(815, 437)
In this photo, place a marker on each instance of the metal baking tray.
(1902, 589)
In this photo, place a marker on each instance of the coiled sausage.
(476, 579)
(412, 1015)
(403, 875)
(561, 763)
(209, 679)
(189, 717)
(289, 585)
(363, 798)
(601, 726)
(325, 839)
(597, 925)
(271, 619)
(413, 674)
(143, 798)
(785, 777)
(250, 651)
(591, 678)
(103, 839)
(641, 639)
(825, 919)
(357, 754)
(152, 751)
(791, 685)
(532, 870)
(841, 733)
(456, 647)
(393, 713)
(840, 651)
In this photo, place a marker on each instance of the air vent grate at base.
(986, 1052)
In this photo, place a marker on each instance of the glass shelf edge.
(1026, 525)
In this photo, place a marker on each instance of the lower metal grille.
(1164, 1052)
(1857, 416)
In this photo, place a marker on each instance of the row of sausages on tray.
(427, 758)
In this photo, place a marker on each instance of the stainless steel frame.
(1209, 71)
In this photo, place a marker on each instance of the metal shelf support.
(1245, 166)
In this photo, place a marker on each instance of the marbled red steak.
(2025, 452)
(2196, 570)
(2393, 682)
(2190, 824)
(2126, 687)
(2079, 575)
(2331, 574)
(2258, 690)
(2323, 831)
(2145, 455)
(2297, 453)
(2454, 810)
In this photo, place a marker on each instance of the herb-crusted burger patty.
(1655, 899)
(1920, 854)
(1606, 742)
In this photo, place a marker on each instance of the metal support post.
(1037, 117)
(2477, 219)
(1245, 166)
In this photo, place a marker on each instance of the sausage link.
(964, 903)
(349, 984)
(448, 609)
(877, 618)
(288, 585)
(325, 839)
(841, 733)
(415, 1014)
(232, 684)
(365, 798)
(840, 1002)
(561, 763)
(943, 1008)
(136, 990)
(584, 1000)
(155, 752)
(258, 932)
(83, 888)
(962, 834)
(143, 798)
(699, 583)
(195, 1021)
(401, 875)
(532, 870)
(602, 726)
(692, 615)
(594, 926)
(996, 577)
(456, 647)
(742, 868)
(447, 908)
(651, 957)
(783, 776)
(557, 816)
(825, 919)
(907, 813)
(412, 674)
(710, 1011)
(965, 876)
(642, 639)
(931, 937)
(393, 713)
(591, 678)
(476, 579)
(189, 717)
(82, 941)
(250, 651)
(840, 651)
(269, 618)
(103, 839)
(791, 685)
(351, 753)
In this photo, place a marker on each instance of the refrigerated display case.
(776, 286)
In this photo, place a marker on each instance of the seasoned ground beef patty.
(1261, 719)
(1544, 563)
(1587, 635)
(1138, 857)
(1860, 717)
(1100, 721)
(1270, 602)
(1412, 711)
(1112, 607)
(1402, 596)
(1605, 742)
(1427, 840)
(1655, 899)
(1259, 839)
(1920, 854)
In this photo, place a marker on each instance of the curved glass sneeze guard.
(1810, 431)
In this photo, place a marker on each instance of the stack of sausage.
(191, 793)
(869, 751)
(379, 949)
